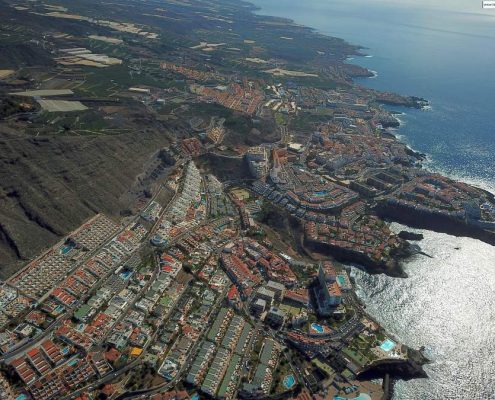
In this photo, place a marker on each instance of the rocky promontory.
(410, 235)
(391, 267)
(433, 221)
(405, 369)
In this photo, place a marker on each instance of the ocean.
(443, 51)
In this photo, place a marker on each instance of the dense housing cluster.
(249, 172)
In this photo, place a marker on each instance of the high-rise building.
(277, 288)
(328, 295)
(257, 158)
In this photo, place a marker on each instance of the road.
(111, 376)
(7, 357)
(114, 374)
(136, 298)
(192, 353)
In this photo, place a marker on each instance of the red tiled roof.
(233, 293)
(112, 354)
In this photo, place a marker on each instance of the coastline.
(431, 163)
(434, 227)
(263, 241)
(392, 268)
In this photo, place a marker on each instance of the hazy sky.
(453, 5)
(461, 6)
(465, 17)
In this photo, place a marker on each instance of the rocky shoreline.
(410, 236)
(433, 221)
(390, 369)
(392, 268)
(410, 368)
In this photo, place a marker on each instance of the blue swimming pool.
(341, 280)
(321, 193)
(387, 345)
(362, 396)
(317, 328)
(289, 381)
(125, 275)
(64, 249)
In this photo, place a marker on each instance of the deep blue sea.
(443, 51)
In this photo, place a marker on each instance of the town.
(196, 309)
(258, 177)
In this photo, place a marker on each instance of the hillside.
(49, 186)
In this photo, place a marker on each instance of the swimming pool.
(320, 193)
(362, 396)
(341, 280)
(289, 381)
(64, 249)
(125, 275)
(387, 345)
(317, 328)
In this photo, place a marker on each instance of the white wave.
(400, 121)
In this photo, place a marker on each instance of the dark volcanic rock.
(226, 168)
(397, 369)
(433, 221)
(410, 235)
(391, 268)
(356, 71)
(389, 121)
(411, 368)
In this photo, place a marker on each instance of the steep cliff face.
(390, 267)
(397, 369)
(433, 221)
(405, 369)
(48, 186)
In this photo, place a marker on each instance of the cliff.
(410, 235)
(49, 185)
(410, 368)
(391, 267)
(433, 221)
(397, 369)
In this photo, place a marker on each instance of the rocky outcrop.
(433, 221)
(391, 267)
(356, 71)
(397, 369)
(404, 369)
(410, 235)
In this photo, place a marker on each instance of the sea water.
(443, 51)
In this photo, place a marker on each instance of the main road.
(33, 342)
